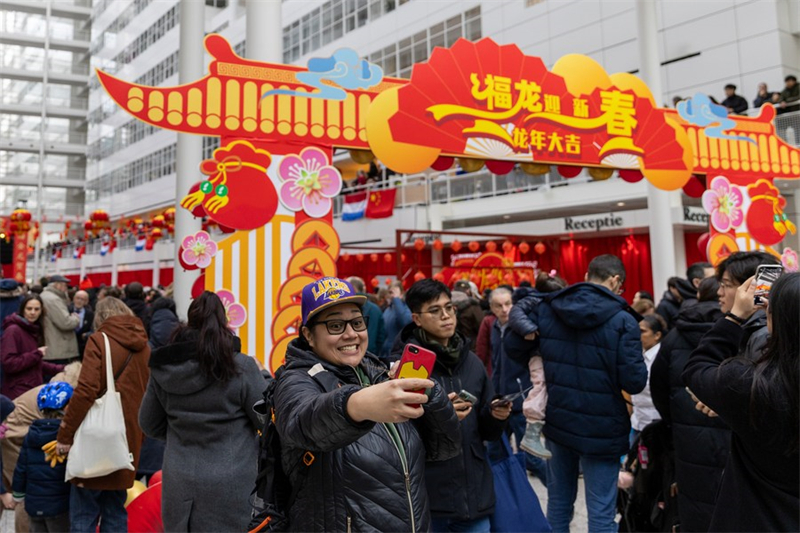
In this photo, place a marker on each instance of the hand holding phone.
(766, 276)
(416, 362)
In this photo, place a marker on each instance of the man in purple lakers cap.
(353, 458)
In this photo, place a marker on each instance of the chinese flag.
(381, 203)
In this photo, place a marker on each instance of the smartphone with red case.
(416, 362)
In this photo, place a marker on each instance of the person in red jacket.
(21, 352)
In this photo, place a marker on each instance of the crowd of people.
(649, 403)
(786, 100)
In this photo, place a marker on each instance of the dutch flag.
(104, 248)
(140, 242)
(354, 206)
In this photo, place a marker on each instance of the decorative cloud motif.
(701, 111)
(344, 68)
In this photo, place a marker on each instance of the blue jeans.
(516, 426)
(443, 525)
(86, 507)
(600, 477)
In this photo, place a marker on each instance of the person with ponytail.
(759, 400)
(200, 401)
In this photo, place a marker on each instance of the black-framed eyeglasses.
(338, 327)
(450, 309)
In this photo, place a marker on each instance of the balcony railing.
(450, 186)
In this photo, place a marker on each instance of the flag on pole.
(381, 203)
(354, 206)
(140, 243)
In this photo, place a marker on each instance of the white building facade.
(704, 45)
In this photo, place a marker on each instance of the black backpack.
(274, 494)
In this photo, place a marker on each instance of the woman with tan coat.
(103, 498)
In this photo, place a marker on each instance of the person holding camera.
(758, 399)
(354, 441)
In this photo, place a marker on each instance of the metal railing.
(452, 186)
(787, 127)
(72, 102)
(49, 136)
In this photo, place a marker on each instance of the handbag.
(100, 446)
(516, 507)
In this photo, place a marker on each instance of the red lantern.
(474, 246)
(539, 248)
(419, 245)
(375, 282)
(419, 276)
(169, 215)
(507, 246)
(569, 171)
(157, 233)
(524, 247)
(387, 258)
(88, 225)
(198, 286)
(456, 246)
(373, 258)
(491, 247)
(438, 245)
(158, 221)
(702, 243)
(359, 257)
(439, 277)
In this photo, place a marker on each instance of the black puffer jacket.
(357, 481)
(701, 443)
(463, 487)
(669, 306)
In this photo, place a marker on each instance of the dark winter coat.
(396, 316)
(211, 454)
(592, 351)
(754, 335)
(508, 375)
(140, 309)
(356, 481)
(736, 103)
(470, 316)
(669, 306)
(83, 333)
(701, 443)
(162, 326)
(10, 298)
(126, 337)
(46, 493)
(22, 362)
(760, 490)
(375, 327)
(463, 487)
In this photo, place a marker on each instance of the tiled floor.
(579, 521)
(579, 524)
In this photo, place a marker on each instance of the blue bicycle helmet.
(54, 395)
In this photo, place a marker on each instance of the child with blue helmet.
(38, 478)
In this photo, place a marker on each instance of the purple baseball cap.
(325, 293)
